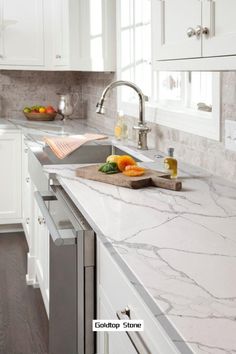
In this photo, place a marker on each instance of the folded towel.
(64, 146)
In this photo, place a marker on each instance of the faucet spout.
(142, 128)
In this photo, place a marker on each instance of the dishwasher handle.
(55, 234)
(135, 337)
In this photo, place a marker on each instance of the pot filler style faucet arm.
(142, 128)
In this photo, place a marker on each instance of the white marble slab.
(181, 246)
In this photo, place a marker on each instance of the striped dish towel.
(64, 146)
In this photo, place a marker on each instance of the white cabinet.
(57, 35)
(10, 178)
(60, 33)
(195, 35)
(21, 29)
(114, 293)
(41, 240)
(111, 342)
(173, 41)
(83, 34)
(219, 17)
(26, 194)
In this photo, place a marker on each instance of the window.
(188, 101)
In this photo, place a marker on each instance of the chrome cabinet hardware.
(205, 31)
(27, 179)
(58, 56)
(191, 32)
(135, 337)
(198, 31)
(41, 221)
(27, 221)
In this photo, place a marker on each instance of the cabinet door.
(26, 192)
(219, 18)
(10, 177)
(22, 32)
(96, 37)
(42, 256)
(174, 19)
(60, 31)
(112, 342)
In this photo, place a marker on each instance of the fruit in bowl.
(40, 113)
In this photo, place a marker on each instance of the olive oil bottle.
(171, 164)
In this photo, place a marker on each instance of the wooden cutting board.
(150, 178)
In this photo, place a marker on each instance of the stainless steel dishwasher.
(72, 274)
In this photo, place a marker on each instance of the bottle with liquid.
(171, 164)
(121, 129)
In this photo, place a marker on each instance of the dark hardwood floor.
(23, 320)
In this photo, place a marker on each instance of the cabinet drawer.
(115, 287)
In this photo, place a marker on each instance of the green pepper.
(109, 168)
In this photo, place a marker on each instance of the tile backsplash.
(22, 88)
(27, 88)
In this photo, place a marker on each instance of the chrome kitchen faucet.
(142, 128)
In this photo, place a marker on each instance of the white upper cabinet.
(60, 32)
(219, 18)
(58, 35)
(83, 34)
(195, 34)
(21, 30)
(175, 26)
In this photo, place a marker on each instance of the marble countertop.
(177, 248)
(181, 247)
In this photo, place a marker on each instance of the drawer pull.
(135, 337)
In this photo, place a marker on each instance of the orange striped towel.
(64, 146)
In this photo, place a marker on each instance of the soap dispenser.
(171, 164)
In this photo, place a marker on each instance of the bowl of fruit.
(40, 113)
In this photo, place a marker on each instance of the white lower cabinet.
(41, 239)
(26, 194)
(114, 294)
(10, 178)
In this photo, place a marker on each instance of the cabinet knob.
(27, 179)
(41, 221)
(58, 56)
(205, 31)
(27, 221)
(191, 32)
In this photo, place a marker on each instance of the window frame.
(205, 124)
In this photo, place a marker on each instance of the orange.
(42, 110)
(133, 171)
(125, 160)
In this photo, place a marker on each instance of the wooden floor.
(23, 320)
